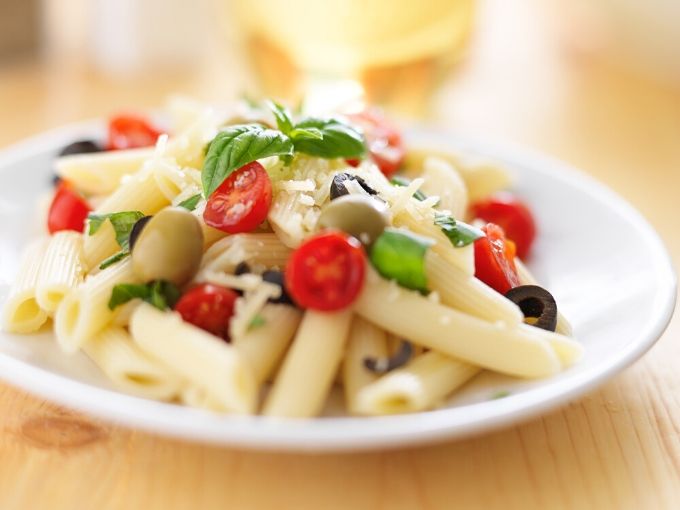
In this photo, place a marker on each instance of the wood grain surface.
(616, 448)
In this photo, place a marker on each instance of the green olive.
(360, 216)
(169, 247)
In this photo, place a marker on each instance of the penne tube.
(307, 372)
(264, 346)
(419, 385)
(526, 278)
(443, 180)
(203, 360)
(62, 269)
(21, 312)
(257, 249)
(85, 312)
(568, 350)
(508, 350)
(468, 294)
(130, 368)
(365, 341)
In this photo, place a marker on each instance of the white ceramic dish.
(605, 265)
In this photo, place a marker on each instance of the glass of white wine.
(393, 52)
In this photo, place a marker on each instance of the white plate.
(605, 265)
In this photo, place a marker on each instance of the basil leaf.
(116, 257)
(124, 292)
(239, 145)
(257, 321)
(339, 140)
(309, 133)
(122, 223)
(399, 254)
(158, 293)
(460, 234)
(283, 120)
(403, 181)
(191, 202)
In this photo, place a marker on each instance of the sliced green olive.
(360, 216)
(169, 247)
(537, 305)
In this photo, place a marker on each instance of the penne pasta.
(256, 249)
(307, 372)
(62, 269)
(420, 385)
(21, 312)
(441, 179)
(203, 360)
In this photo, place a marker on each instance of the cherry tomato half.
(209, 307)
(68, 210)
(241, 202)
(130, 132)
(384, 141)
(494, 260)
(513, 216)
(326, 272)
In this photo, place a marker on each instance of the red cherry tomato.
(513, 216)
(209, 307)
(326, 272)
(241, 202)
(68, 210)
(494, 260)
(130, 132)
(384, 141)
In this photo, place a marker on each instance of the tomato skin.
(209, 307)
(385, 144)
(513, 216)
(130, 132)
(68, 210)
(494, 260)
(326, 272)
(241, 202)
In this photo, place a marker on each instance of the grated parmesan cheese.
(249, 305)
(292, 186)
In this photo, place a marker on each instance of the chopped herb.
(460, 234)
(116, 257)
(191, 202)
(158, 293)
(500, 394)
(399, 254)
(257, 321)
(398, 180)
(122, 223)
(384, 365)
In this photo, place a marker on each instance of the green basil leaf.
(122, 225)
(339, 140)
(460, 234)
(282, 115)
(239, 145)
(309, 133)
(124, 292)
(158, 293)
(397, 180)
(399, 254)
(116, 257)
(191, 202)
(257, 321)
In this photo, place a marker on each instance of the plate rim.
(360, 433)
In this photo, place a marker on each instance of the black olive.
(241, 268)
(80, 147)
(384, 365)
(536, 303)
(338, 185)
(137, 229)
(276, 277)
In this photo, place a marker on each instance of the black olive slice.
(338, 187)
(241, 268)
(384, 365)
(80, 147)
(137, 229)
(276, 277)
(537, 305)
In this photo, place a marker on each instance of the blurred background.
(595, 82)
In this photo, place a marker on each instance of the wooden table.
(618, 447)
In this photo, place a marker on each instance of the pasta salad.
(250, 261)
